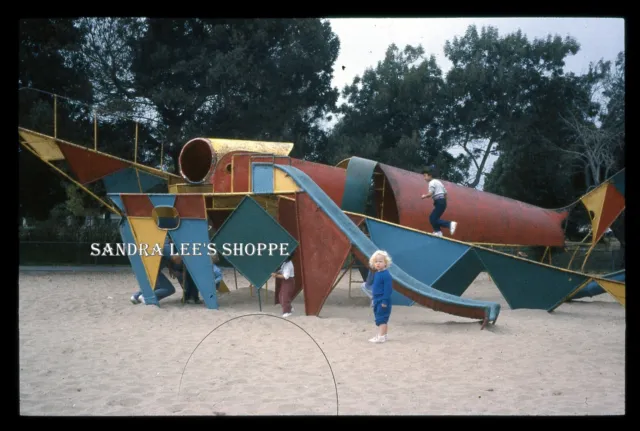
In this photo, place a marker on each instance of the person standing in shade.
(438, 192)
(287, 288)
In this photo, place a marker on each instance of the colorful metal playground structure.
(254, 192)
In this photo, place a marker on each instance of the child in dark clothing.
(286, 273)
(381, 290)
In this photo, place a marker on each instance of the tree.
(48, 61)
(491, 86)
(393, 113)
(247, 79)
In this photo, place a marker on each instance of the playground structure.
(254, 192)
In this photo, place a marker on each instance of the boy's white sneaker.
(134, 300)
(286, 315)
(378, 339)
(439, 233)
(454, 225)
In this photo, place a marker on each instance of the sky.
(364, 41)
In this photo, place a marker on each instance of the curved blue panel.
(195, 231)
(357, 185)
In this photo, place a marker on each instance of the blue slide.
(404, 283)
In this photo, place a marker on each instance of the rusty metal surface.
(329, 178)
(323, 247)
(197, 160)
(481, 216)
(288, 220)
(191, 206)
(90, 166)
(221, 177)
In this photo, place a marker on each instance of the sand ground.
(86, 350)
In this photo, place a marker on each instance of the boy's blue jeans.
(164, 288)
(439, 207)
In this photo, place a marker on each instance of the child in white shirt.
(287, 287)
(439, 194)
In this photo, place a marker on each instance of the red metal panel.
(191, 206)
(218, 217)
(357, 220)
(481, 216)
(323, 248)
(137, 205)
(287, 219)
(221, 177)
(613, 205)
(241, 172)
(329, 178)
(88, 165)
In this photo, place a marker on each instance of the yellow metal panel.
(223, 287)
(617, 290)
(224, 146)
(44, 146)
(594, 201)
(190, 188)
(282, 183)
(343, 163)
(146, 231)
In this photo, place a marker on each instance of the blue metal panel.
(357, 186)
(117, 200)
(251, 224)
(618, 181)
(423, 257)
(461, 274)
(148, 181)
(527, 284)
(137, 264)
(162, 200)
(192, 231)
(123, 181)
(262, 178)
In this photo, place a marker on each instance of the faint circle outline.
(335, 384)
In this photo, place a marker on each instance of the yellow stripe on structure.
(146, 231)
(45, 147)
(282, 183)
(617, 290)
(223, 287)
(594, 201)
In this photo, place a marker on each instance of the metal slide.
(433, 298)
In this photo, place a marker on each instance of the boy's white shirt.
(287, 270)
(436, 188)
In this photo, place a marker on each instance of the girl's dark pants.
(287, 287)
